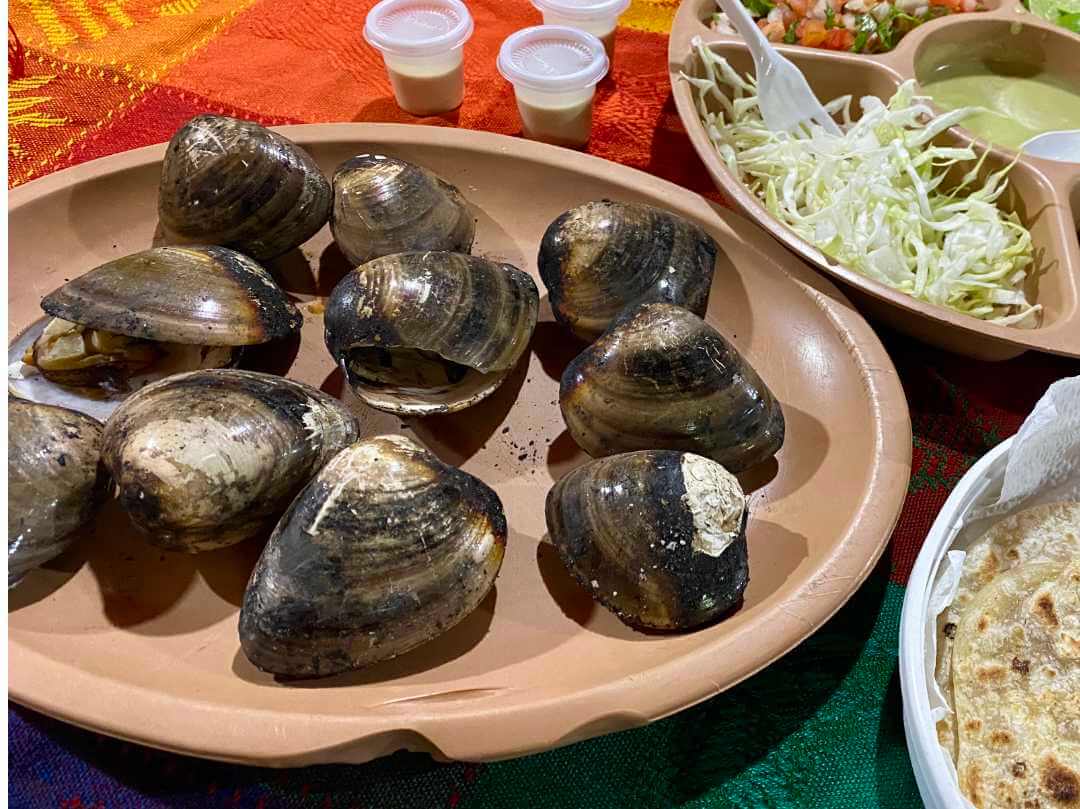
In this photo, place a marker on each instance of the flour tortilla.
(1016, 682)
(1043, 534)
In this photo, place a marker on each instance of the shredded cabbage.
(872, 198)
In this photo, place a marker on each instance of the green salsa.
(1020, 101)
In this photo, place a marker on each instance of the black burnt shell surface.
(603, 256)
(197, 295)
(206, 459)
(385, 549)
(234, 183)
(55, 481)
(624, 529)
(662, 378)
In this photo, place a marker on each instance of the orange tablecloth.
(93, 77)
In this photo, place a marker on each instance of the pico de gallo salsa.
(859, 26)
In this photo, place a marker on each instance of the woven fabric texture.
(821, 727)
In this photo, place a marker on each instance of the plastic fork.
(786, 101)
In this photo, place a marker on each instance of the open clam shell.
(207, 459)
(201, 295)
(183, 308)
(55, 481)
(385, 549)
(383, 205)
(435, 332)
(658, 537)
(1044, 194)
(232, 182)
(601, 257)
(662, 378)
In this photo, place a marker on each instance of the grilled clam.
(235, 183)
(385, 549)
(603, 256)
(209, 458)
(55, 484)
(420, 333)
(383, 205)
(156, 312)
(658, 537)
(662, 378)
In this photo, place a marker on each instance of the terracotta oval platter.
(129, 641)
(1045, 194)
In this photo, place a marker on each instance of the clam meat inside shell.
(421, 333)
(662, 378)
(157, 312)
(55, 481)
(658, 537)
(207, 459)
(383, 205)
(385, 549)
(601, 257)
(234, 183)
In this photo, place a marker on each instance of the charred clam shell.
(420, 333)
(207, 459)
(166, 309)
(385, 549)
(383, 205)
(662, 378)
(235, 183)
(658, 537)
(55, 482)
(603, 256)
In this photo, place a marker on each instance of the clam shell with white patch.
(385, 549)
(207, 459)
(658, 537)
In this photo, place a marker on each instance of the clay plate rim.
(1060, 337)
(461, 730)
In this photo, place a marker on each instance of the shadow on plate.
(578, 605)
(449, 646)
(142, 586)
(456, 437)
(275, 357)
(555, 346)
(775, 553)
(45, 580)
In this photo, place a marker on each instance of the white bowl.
(934, 772)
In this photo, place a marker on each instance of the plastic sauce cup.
(421, 42)
(597, 17)
(554, 70)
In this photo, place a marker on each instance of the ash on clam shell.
(210, 458)
(385, 549)
(658, 537)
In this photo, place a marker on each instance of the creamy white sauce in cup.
(554, 70)
(421, 42)
(597, 17)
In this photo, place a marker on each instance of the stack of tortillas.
(1009, 663)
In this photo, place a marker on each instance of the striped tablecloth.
(820, 728)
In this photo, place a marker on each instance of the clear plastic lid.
(583, 9)
(552, 58)
(418, 27)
